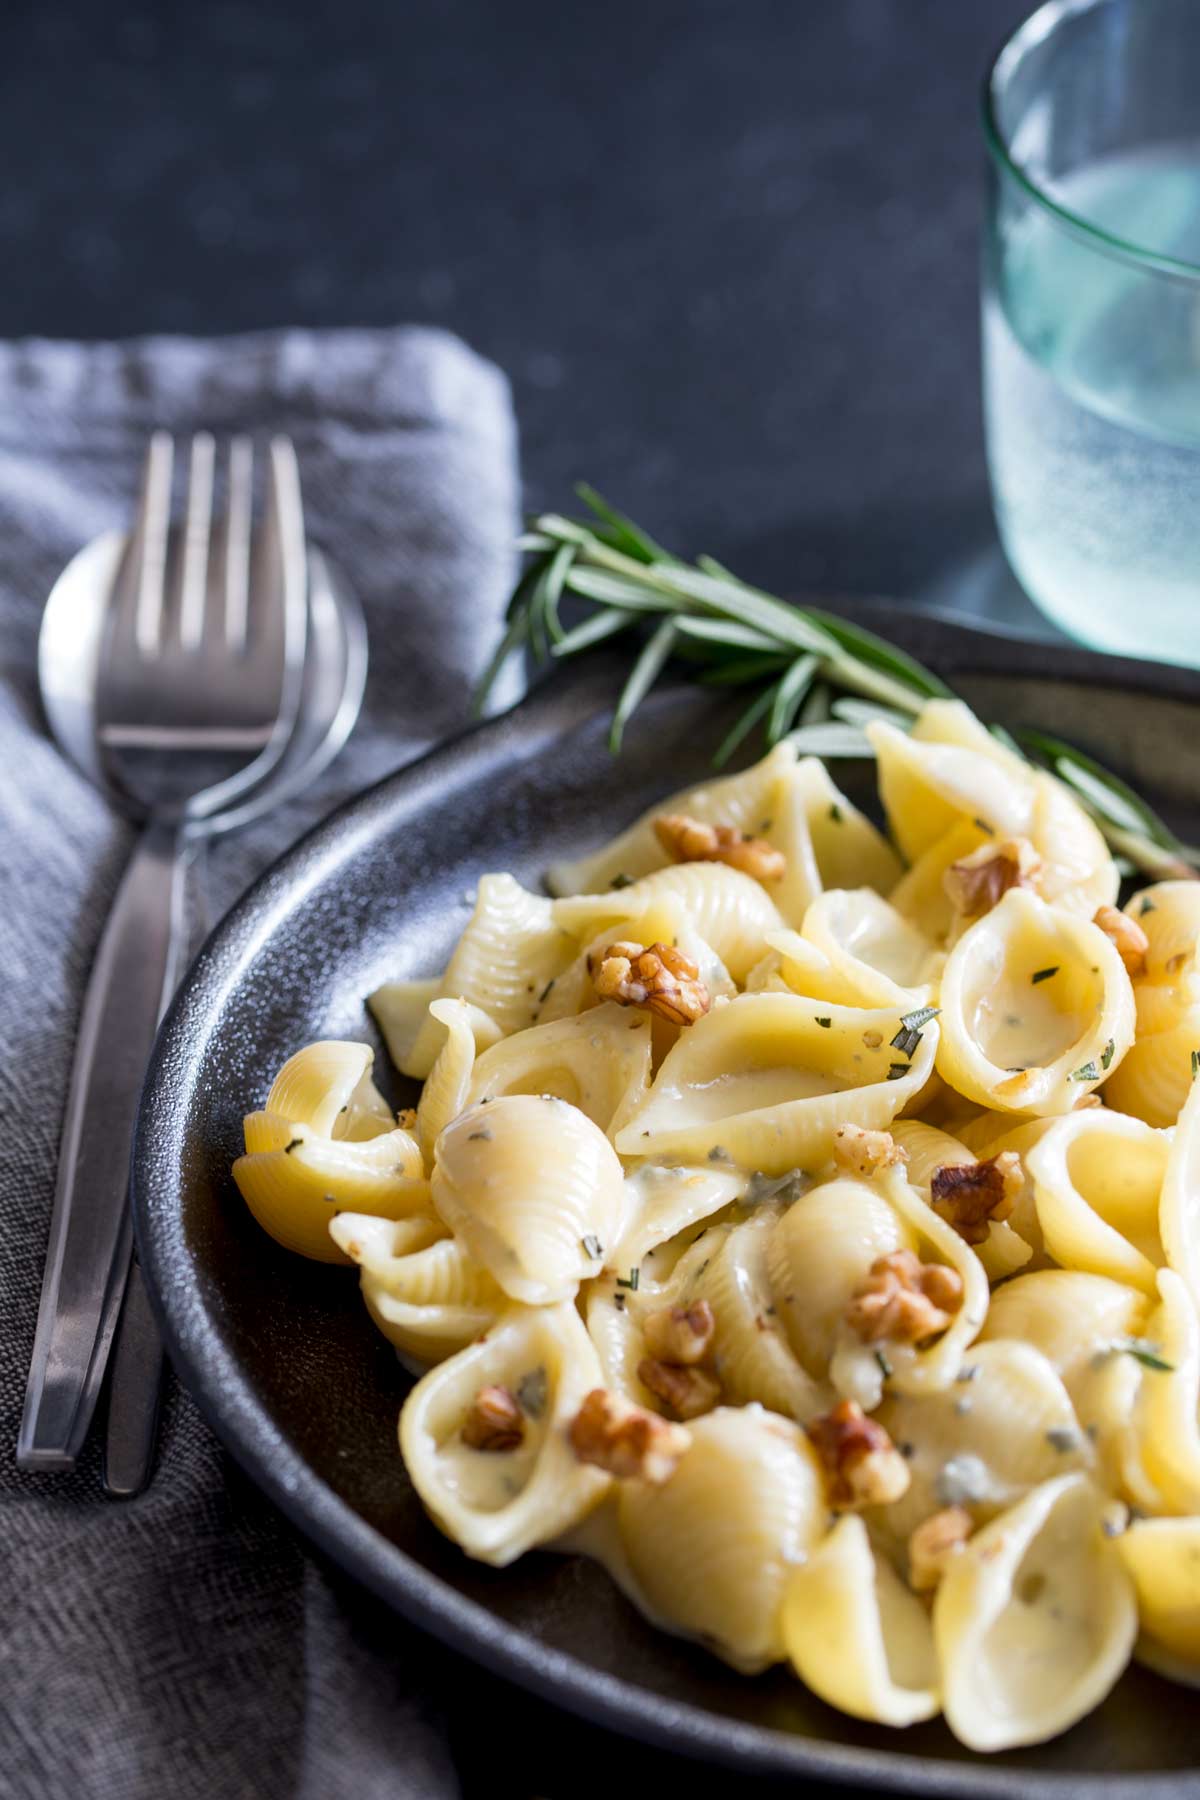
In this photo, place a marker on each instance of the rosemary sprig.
(818, 679)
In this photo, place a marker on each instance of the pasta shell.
(1168, 1400)
(1034, 1621)
(446, 1091)
(751, 1354)
(1025, 1045)
(399, 1009)
(1097, 1176)
(985, 1440)
(768, 1078)
(856, 1635)
(662, 1200)
(1004, 1250)
(920, 895)
(947, 768)
(533, 1190)
(1157, 1082)
(497, 1505)
(712, 1548)
(598, 1062)
(419, 1286)
(1179, 1206)
(618, 1341)
(1068, 1315)
(730, 911)
(875, 956)
(511, 948)
(1163, 1560)
(819, 1254)
(327, 1142)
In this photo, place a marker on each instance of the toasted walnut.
(680, 1334)
(625, 1439)
(1126, 936)
(970, 1195)
(978, 881)
(495, 1421)
(904, 1299)
(863, 1465)
(688, 1392)
(860, 1152)
(688, 840)
(932, 1545)
(661, 978)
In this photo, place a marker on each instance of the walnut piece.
(904, 1299)
(978, 881)
(934, 1542)
(689, 840)
(625, 1439)
(406, 1118)
(970, 1195)
(495, 1421)
(680, 1334)
(661, 978)
(688, 1392)
(1126, 936)
(863, 1465)
(857, 1151)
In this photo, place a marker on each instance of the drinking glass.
(1091, 318)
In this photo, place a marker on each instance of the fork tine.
(197, 531)
(236, 571)
(137, 602)
(277, 597)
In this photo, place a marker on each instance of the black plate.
(279, 1352)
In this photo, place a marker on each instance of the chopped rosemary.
(1195, 1064)
(591, 1245)
(1107, 1054)
(531, 1393)
(909, 1034)
(835, 813)
(1062, 1438)
(479, 1137)
(885, 1367)
(1147, 906)
(635, 1275)
(825, 1024)
(1147, 1353)
(982, 825)
(795, 660)
(547, 991)
(621, 881)
(1044, 974)
(1089, 1072)
(294, 1145)
(897, 1070)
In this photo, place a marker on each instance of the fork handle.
(87, 1259)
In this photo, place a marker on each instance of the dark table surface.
(726, 252)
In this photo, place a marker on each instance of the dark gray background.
(726, 253)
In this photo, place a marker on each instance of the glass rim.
(1033, 30)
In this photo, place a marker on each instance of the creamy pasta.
(803, 1220)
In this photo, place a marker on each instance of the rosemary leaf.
(865, 712)
(629, 537)
(727, 631)
(504, 649)
(832, 739)
(604, 624)
(644, 673)
(789, 692)
(878, 654)
(744, 726)
(617, 590)
(741, 671)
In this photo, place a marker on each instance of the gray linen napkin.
(181, 1644)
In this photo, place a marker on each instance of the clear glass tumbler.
(1091, 318)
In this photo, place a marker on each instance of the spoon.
(334, 676)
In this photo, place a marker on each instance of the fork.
(197, 689)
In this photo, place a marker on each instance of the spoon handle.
(87, 1259)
